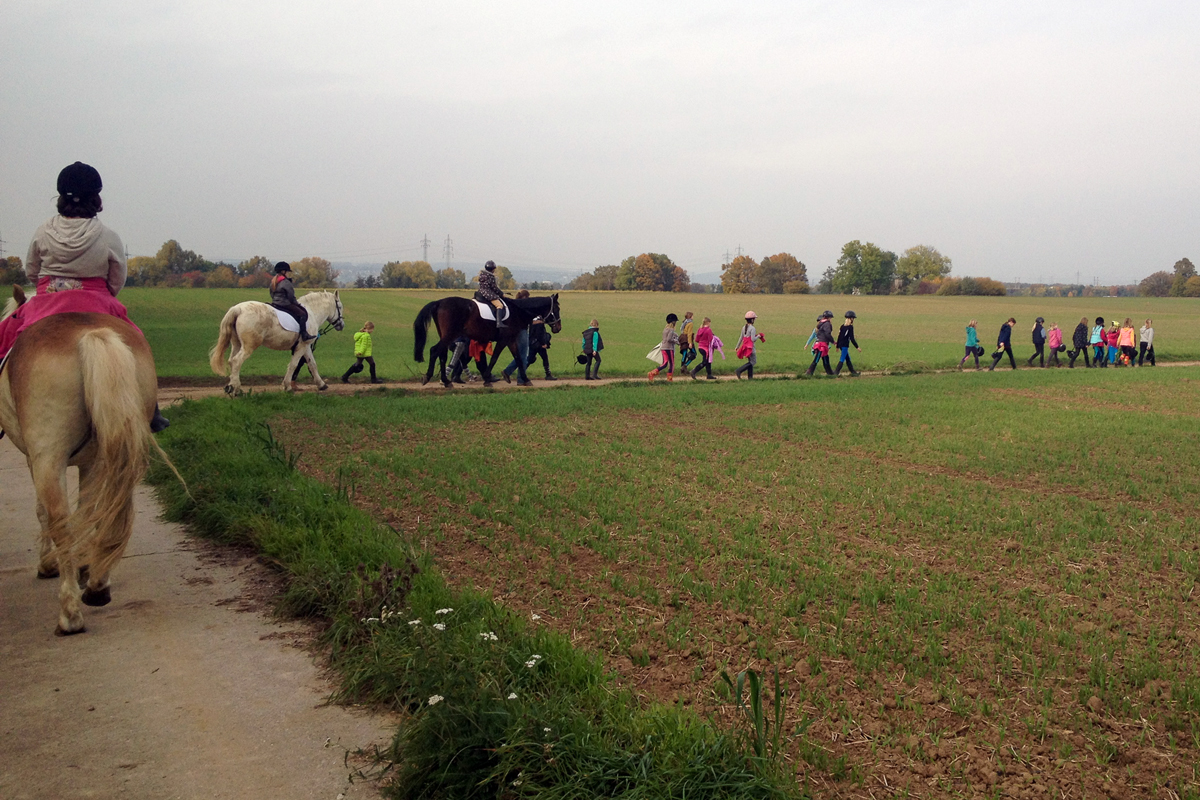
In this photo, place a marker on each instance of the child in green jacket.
(362, 351)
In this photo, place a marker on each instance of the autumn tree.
(602, 279)
(864, 267)
(221, 278)
(12, 271)
(408, 275)
(1184, 269)
(782, 273)
(921, 263)
(655, 272)
(740, 276)
(254, 273)
(1192, 287)
(314, 272)
(1157, 284)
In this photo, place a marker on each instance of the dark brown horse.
(459, 316)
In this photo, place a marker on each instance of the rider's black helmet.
(851, 315)
(490, 266)
(672, 318)
(827, 315)
(282, 267)
(79, 180)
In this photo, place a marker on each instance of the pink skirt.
(61, 296)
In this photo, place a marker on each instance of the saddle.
(286, 320)
(488, 311)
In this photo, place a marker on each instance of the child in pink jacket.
(1054, 340)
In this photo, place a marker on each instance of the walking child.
(1079, 340)
(362, 352)
(704, 343)
(1146, 343)
(1039, 343)
(670, 339)
(592, 345)
(1004, 345)
(972, 348)
(687, 341)
(751, 355)
(1125, 340)
(1097, 340)
(1054, 340)
(844, 340)
(820, 347)
(1112, 338)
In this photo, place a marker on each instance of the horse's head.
(339, 322)
(552, 316)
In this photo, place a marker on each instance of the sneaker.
(376, 380)
(711, 378)
(505, 375)
(345, 379)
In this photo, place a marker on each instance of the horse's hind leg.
(50, 484)
(108, 545)
(47, 558)
(240, 354)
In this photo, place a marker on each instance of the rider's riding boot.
(587, 372)
(550, 377)
(158, 422)
(838, 371)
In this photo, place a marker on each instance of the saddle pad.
(286, 320)
(487, 311)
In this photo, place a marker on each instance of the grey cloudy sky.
(1023, 139)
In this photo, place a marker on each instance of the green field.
(896, 333)
(970, 589)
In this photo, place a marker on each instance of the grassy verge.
(497, 706)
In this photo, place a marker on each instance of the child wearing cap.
(669, 341)
(1039, 344)
(844, 340)
(751, 333)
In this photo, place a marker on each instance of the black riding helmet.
(1040, 320)
(851, 315)
(79, 180)
(282, 267)
(490, 266)
(672, 318)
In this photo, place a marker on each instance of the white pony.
(250, 325)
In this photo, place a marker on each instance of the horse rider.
(76, 262)
(283, 297)
(489, 292)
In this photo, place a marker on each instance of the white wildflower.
(435, 699)
(489, 637)
(369, 620)
(533, 661)
(443, 611)
(535, 616)
(512, 696)
(547, 730)
(437, 626)
(414, 622)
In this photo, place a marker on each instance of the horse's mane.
(9, 307)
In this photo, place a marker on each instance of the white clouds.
(580, 135)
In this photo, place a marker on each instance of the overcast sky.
(1023, 139)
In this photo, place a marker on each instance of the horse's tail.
(421, 327)
(216, 357)
(121, 429)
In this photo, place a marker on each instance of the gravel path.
(182, 687)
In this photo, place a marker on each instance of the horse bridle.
(552, 315)
(327, 326)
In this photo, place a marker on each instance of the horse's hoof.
(48, 573)
(229, 390)
(322, 387)
(97, 597)
(59, 630)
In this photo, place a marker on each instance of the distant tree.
(12, 271)
(221, 278)
(145, 271)
(602, 279)
(314, 272)
(177, 260)
(776, 272)
(624, 280)
(921, 263)
(985, 287)
(825, 285)
(450, 278)
(655, 272)
(1184, 269)
(408, 275)
(1157, 284)
(864, 267)
(1192, 287)
(740, 276)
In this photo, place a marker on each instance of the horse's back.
(43, 379)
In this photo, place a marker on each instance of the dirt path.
(173, 390)
(181, 688)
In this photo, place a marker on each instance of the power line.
(425, 244)
(448, 250)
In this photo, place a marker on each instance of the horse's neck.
(318, 302)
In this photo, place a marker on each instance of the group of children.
(1114, 346)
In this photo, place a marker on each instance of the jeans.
(522, 352)
(1145, 351)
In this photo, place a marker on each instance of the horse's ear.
(18, 294)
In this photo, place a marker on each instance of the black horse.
(456, 316)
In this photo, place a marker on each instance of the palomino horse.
(251, 325)
(456, 316)
(80, 390)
